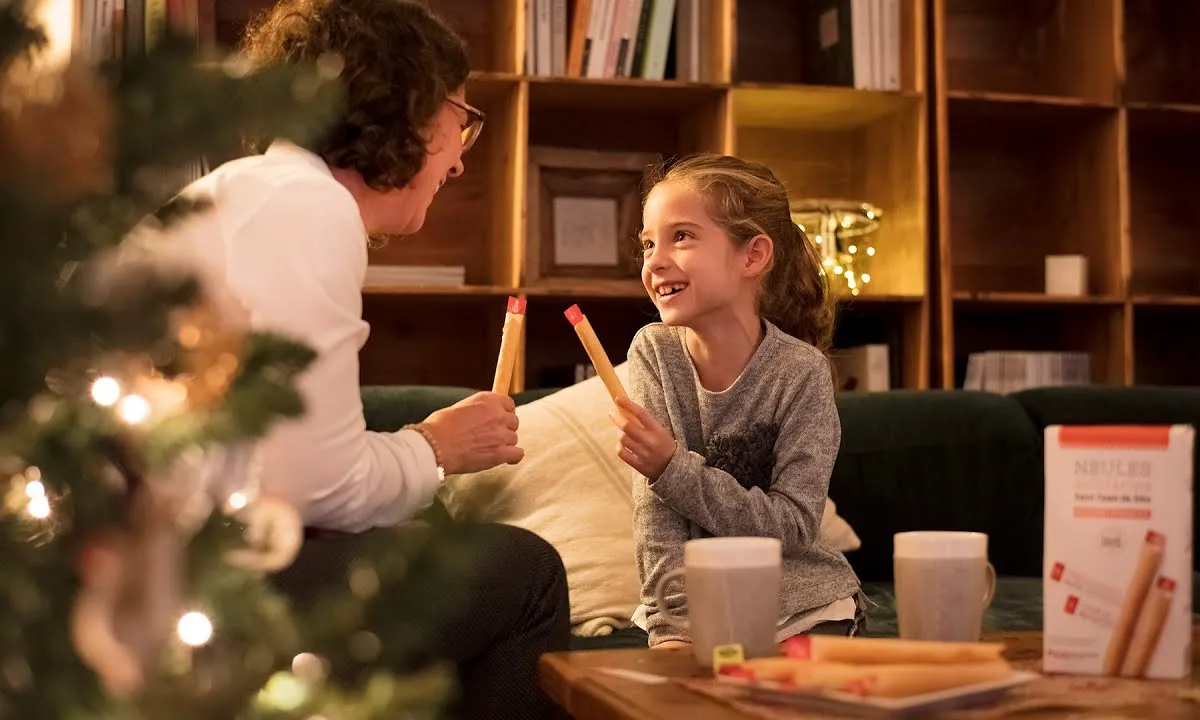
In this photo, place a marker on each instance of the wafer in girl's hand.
(510, 340)
(595, 351)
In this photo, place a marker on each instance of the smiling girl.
(731, 426)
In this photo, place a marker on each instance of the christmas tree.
(135, 544)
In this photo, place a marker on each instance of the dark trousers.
(510, 607)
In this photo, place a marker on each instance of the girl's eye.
(681, 235)
(647, 245)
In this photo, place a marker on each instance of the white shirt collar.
(290, 150)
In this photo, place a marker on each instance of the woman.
(294, 225)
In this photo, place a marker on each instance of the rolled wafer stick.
(1149, 559)
(510, 341)
(595, 351)
(1149, 628)
(877, 651)
(878, 680)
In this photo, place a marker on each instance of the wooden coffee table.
(612, 685)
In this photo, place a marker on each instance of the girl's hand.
(671, 645)
(643, 443)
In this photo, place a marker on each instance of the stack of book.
(1002, 371)
(853, 43)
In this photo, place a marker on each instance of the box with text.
(1118, 553)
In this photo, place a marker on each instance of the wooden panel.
(1094, 329)
(1165, 351)
(1162, 51)
(1028, 180)
(940, 259)
(1040, 47)
(1164, 227)
(815, 108)
(470, 221)
(432, 340)
(769, 40)
(881, 163)
(553, 348)
(489, 29)
(623, 115)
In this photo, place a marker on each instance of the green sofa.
(912, 460)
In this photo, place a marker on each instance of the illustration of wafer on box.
(1118, 550)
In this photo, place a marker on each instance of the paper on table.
(585, 231)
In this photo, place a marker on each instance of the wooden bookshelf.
(1062, 127)
(751, 100)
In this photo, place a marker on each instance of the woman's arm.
(659, 532)
(297, 261)
(791, 510)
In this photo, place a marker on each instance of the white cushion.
(573, 491)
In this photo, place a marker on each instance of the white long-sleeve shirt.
(288, 242)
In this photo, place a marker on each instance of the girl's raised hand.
(643, 443)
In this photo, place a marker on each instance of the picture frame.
(583, 212)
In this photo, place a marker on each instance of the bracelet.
(433, 445)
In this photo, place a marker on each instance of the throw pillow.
(573, 491)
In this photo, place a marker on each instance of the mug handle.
(990, 593)
(679, 621)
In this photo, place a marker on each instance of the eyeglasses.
(473, 126)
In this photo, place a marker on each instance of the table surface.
(585, 685)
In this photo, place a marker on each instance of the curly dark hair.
(400, 63)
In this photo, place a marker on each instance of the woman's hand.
(476, 434)
(643, 443)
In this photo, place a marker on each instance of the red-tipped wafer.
(595, 351)
(514, 320)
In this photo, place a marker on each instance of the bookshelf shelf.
(1064, 48)
(1064, 127)
(816, 107)
(1094, 329)
(1030, 299)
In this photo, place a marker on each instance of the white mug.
(732, 587)
(943, 584)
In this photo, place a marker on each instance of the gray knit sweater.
(754, 459)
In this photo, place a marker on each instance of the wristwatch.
(437, 455)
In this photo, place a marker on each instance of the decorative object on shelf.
(1066, 275)
(584, 209)
(844, 233)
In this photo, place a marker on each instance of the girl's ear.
(756, 255)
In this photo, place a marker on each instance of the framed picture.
(584, 212)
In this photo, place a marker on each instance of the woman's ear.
(756, 254)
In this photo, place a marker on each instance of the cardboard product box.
(1118, 553)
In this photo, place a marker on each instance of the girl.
(731, 426)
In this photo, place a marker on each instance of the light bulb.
(238, 500)
(195, 629)
(870, 251)
(106, 391)
(133, 409)
(39, 507)
(865, 277)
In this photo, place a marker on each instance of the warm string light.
(38, 506)
(843, 232)
(195, 629)
(157, 395)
